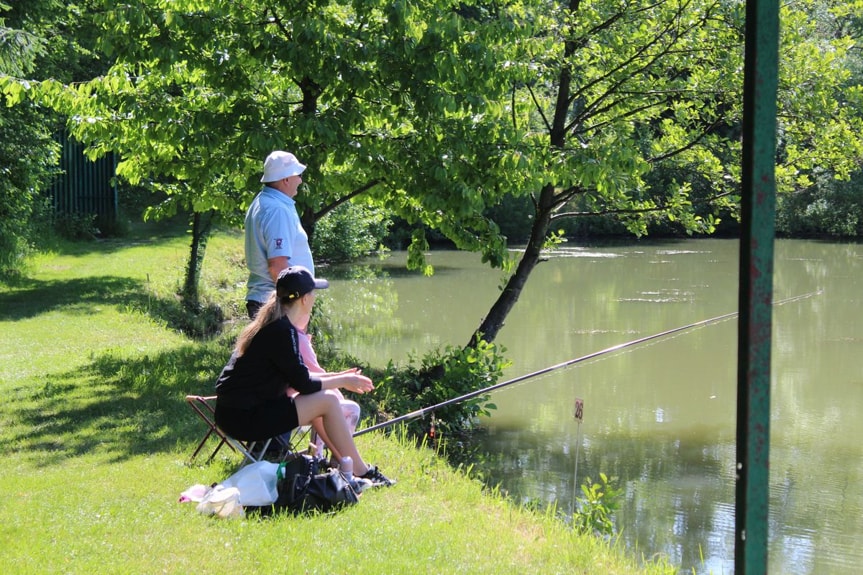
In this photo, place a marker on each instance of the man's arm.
(276, 265)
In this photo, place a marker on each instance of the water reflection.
(659, 416)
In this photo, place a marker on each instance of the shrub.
(28, 160)
(349, 232)
(440, 376)
(596, 507)
(829, 207)
(76, 226)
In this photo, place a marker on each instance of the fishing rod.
(489, 389)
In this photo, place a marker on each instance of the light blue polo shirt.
(273, 229)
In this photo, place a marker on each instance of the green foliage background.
(27, 153)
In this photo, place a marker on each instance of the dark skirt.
(258, 423)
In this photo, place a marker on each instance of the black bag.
(307, 483)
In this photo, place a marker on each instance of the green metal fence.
(84, 187)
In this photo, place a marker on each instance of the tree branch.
(691, 144)
(539, 109)
(629, 211)
(346, 198)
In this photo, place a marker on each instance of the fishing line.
(588, 357)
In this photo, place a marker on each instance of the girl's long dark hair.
(272, 310)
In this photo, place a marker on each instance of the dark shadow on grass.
(32, 298)
(35, 297)
(114, 406)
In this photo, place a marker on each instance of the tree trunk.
(545, 208)
(201, 225)
(494, 321)
(309, 220)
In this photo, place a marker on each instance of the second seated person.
(300, 312)
(252, 400)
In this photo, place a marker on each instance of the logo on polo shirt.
(278, 243)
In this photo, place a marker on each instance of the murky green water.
(659, 416)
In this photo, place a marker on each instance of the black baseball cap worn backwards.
(296, 281)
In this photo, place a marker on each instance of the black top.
(270, 365)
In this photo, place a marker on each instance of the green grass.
(95, 438)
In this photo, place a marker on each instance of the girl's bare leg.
(318, 425)
(328, 408)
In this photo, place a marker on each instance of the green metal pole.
(756, 287)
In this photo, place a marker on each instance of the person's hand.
(357, 382)
(349, 371)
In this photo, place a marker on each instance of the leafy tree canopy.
(200, 92)
(436, 109)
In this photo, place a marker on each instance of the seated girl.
(252, 401)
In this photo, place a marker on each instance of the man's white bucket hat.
(280, 165)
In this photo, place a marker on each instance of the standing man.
(275, 238)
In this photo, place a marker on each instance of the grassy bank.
(95, 438)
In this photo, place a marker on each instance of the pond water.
(658, 416)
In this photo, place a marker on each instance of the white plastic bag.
(221, 501)
(257, 483)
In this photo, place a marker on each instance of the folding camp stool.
(252, 451)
